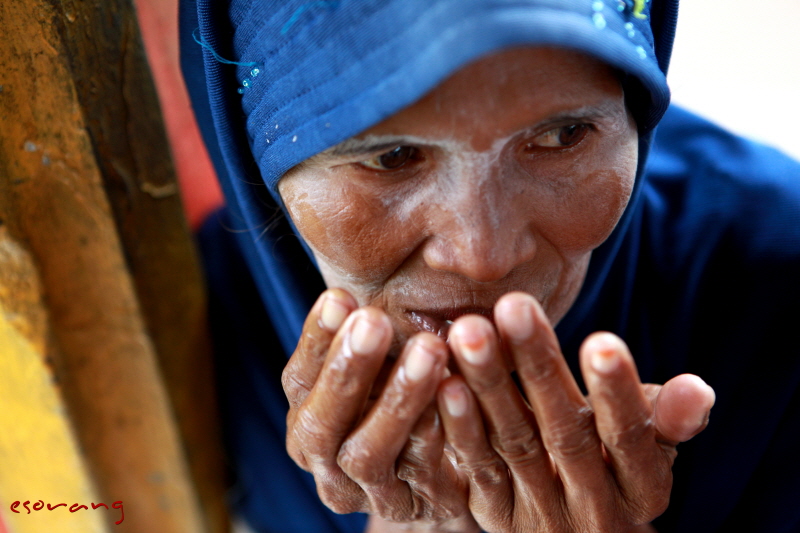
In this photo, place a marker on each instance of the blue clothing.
(699, 276)
(706, 282)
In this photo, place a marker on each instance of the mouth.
(438, 321)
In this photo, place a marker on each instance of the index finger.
(323, 321)
(337, 400)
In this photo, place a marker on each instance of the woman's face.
(505, 177)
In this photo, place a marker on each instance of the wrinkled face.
(505, 177)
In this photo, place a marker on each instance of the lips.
(438, 321)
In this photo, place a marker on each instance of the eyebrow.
(354, 146)
(370, 144)
(588, 112)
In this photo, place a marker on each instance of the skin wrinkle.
(478, 214)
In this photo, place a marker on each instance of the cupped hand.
(368, 428)
(552, 460)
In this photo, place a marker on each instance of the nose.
(483, 234)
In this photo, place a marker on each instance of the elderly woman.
(469, 180)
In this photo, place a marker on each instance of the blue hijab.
(273, 83)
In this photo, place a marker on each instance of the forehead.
(504, 92)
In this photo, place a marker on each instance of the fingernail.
(333, 313)
(365, 337)
(455, 401)
(477, 355)
(704, 421)
(473, 344)
(419, 362)
(519, 322)
(711, 398)
(605, 361)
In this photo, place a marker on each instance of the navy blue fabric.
(271, 492)
(699, 276)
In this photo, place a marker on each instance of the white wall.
(737, 62)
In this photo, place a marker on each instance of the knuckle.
(571, 447)
(296, 454)
(486, 472)
(631, 436)
(286, 375)
(395, 509)
(398, 404)
(312, 338)
(518, 444)
(543, 368)
(413, 507)
(573, 436)
(414, 471)
(294, 388)
(338, 500)
(438, 505)
(313, 434)
(434, 495)
(363, 464)
(340, 377)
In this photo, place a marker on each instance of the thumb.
(682, 407)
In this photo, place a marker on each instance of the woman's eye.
(393, 159)
(561, 137)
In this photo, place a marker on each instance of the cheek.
(580, 217)
(346, 229)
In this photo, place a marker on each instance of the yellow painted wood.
(38, 454)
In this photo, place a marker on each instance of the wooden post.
(87, 188)
(41, 460)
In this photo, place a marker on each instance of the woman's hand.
(367, 428)
(558, 461)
